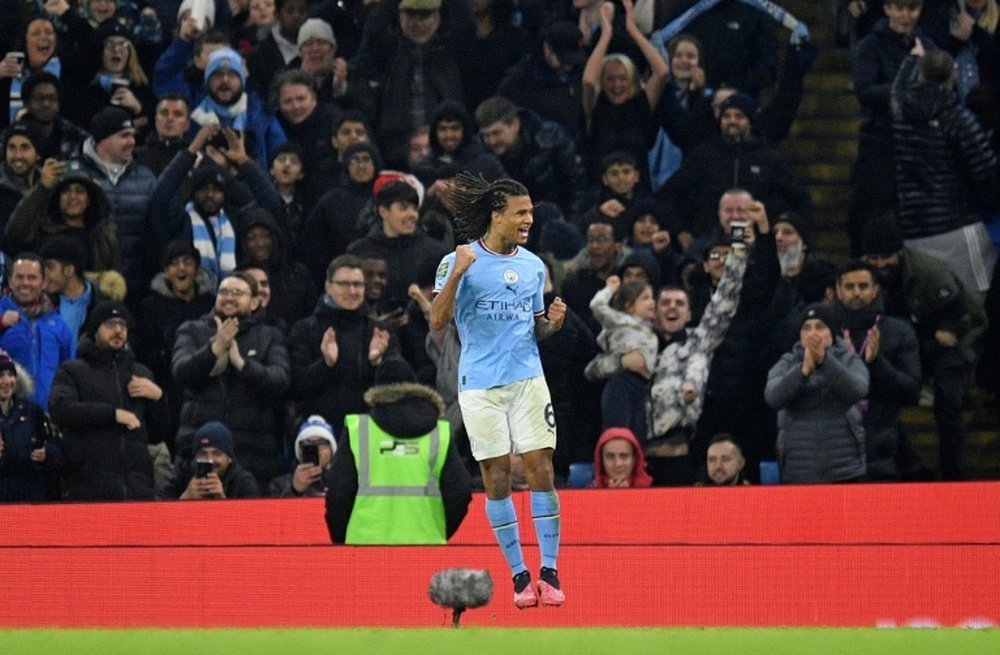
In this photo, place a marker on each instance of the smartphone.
(218, 141)
(310, 454)
(16, 56)
(738, 233)
(202, 467)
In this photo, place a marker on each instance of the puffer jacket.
(128, 206)
(820, 433)
(104, 459)
(944, 162)
(247, 401)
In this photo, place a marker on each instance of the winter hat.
(107, 310)
(205, 5)
(742, 101)
(566, 41)
(208, 174)
(7, 363)
(225, 58)
(316, 28)
(29, 130)
(108, 122)
(801, 224)
(314, 427)
(369, 148)
(881, 236)
(420, 5)
(213, 434)
(823, 312)
(387, 176)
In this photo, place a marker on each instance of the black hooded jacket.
(292, 290)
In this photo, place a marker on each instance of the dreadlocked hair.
(472, 201)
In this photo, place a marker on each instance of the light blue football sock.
(503, 518)
(545, 514)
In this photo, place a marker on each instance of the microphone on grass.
(460, 589)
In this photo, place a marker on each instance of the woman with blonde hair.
(119, 79)
(617, 105)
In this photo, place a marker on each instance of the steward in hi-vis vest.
(396, 477)
(399, 497)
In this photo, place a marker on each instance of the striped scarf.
(216, 245)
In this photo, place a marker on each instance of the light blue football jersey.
(495, 308)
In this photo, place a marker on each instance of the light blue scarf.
(218, 247)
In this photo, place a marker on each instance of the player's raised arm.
(443, 305)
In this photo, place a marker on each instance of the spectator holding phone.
(314, 451)
(214, 473)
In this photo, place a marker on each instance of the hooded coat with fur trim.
(404, 410)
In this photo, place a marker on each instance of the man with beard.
(724, 463)
(949, 323)
(888, 345)
(109, 409)
(31, 331)
(736, 158)
(234, 370)
(227, 103)
(20, 169)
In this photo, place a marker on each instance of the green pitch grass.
(494, 641)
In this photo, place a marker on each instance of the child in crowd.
(626, 312)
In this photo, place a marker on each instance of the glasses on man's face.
(716, 256)
(348, 284)
(117, 45)
(234, 293)
(598, 238)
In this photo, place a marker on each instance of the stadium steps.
(821, 149)
(822, 142)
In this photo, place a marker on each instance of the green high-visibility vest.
(399, 496)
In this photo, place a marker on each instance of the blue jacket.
(39, 346)
(171, 75)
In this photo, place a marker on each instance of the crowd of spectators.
(222, 221)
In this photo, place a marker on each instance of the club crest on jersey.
(510, 276)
